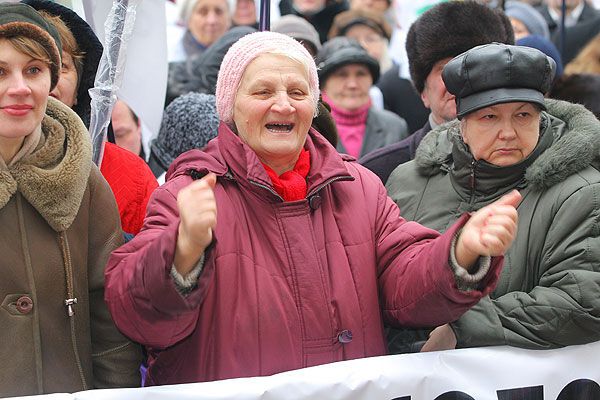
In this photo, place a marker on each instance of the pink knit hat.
(247, 49)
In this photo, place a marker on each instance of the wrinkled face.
(24, 88)
(436, 97)
(369, 39)
(309, 6)
(245, 12)
(209, 20)
(66, 88)
(503, 134)
(348, 86)
(519, 28)
(273, 109)
(378, 6)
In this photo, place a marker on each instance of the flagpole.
(563, 34)
(265, 15)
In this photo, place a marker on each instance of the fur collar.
(54, 176)
(576, 146)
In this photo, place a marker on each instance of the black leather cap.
(498, 73)
(341, 51)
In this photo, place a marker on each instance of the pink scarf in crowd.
(351, 126)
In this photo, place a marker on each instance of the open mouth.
(279, 128)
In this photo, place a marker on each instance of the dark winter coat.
(285, 285)
(548, 292)
(199, 73)
(588, 12)
(383, 161)
(59, 222)
(577, 37)
(401, 98)
(321, 20)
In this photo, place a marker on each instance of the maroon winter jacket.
(285, 285)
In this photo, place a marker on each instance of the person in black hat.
(509, 136)
(346, 73)
(441, 33)
(58, 224)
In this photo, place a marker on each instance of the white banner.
(495, 373)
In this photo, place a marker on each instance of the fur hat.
(189, 122)
(89, 45)
(449, 29)
(18, 19)
(243, 52)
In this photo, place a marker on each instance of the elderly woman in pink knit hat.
(308, 255)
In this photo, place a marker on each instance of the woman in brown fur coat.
(58, 223)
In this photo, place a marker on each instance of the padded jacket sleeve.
(563, 307)
(140, 292)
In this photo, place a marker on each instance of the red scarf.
(291, 185)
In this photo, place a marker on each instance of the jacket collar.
(53, 178)
(229, 157)
(573, 135)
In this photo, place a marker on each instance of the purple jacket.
(285, 285)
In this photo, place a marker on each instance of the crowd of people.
(304, 202)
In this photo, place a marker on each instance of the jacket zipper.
(327, 182)
(270, 189)
(315, 190)
(472, 181)
(70, 301)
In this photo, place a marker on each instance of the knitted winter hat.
(298, 28)
(449, 29)
(189, 122)
(529, 16)
(243, 52)
(88, 44)
(22, 20)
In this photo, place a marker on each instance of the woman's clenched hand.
(198, 214)
(489, 232)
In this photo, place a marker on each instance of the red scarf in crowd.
(291, 185)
